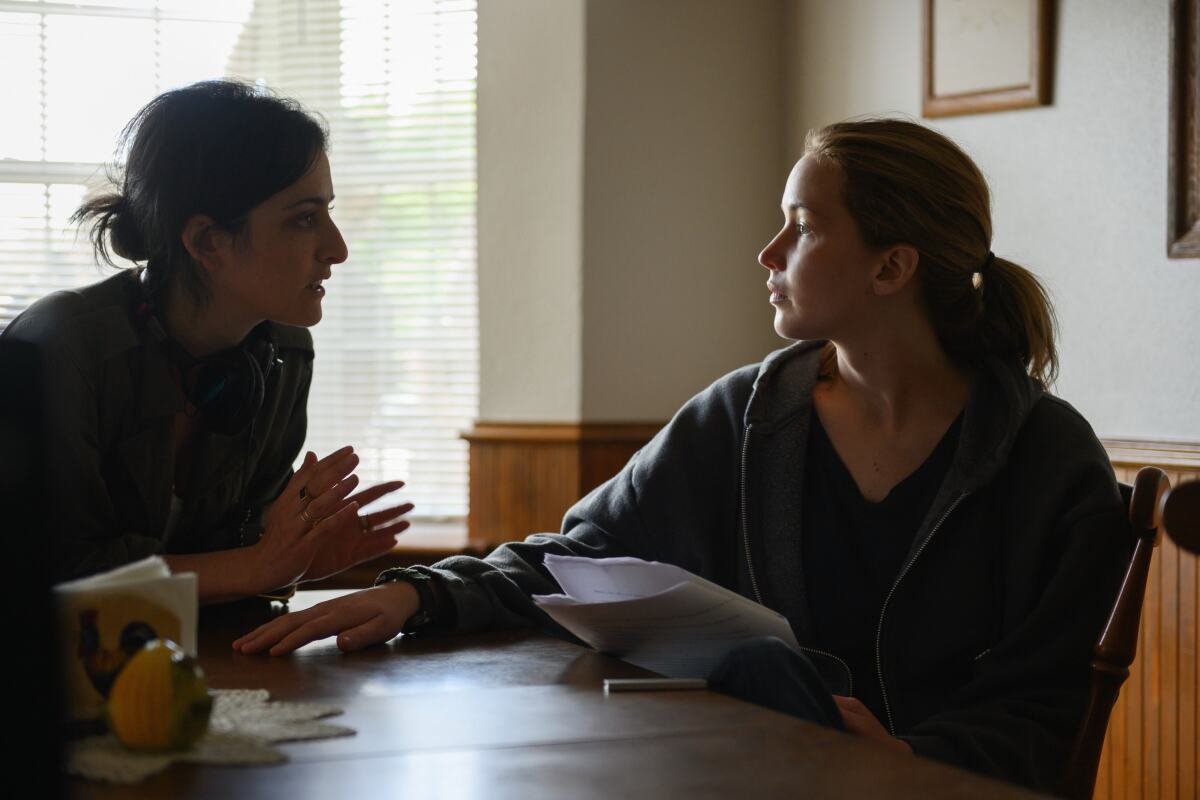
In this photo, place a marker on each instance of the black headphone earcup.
(227, 390)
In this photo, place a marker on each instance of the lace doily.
(243, 726)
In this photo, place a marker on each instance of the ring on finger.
(304, 515)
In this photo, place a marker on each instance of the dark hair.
(217, 148)
(908, 184)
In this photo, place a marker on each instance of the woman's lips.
(778, 297)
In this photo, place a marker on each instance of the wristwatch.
(426, 596)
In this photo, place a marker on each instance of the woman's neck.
(898, 375)
(203, 329)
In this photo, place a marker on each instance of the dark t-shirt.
(854, 549)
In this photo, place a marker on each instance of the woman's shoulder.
(769, 387)
(1057, 424)
(92, 322)
(1057, 446)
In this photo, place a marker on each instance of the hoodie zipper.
(745, 527)
(750, 564)
(845, 666)
(887, 706)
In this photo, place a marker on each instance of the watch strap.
(427, 598)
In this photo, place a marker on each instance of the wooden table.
(522, 715)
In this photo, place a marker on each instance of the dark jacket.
(110, 403)
(984, 642)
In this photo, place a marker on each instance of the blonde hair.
(908, 184)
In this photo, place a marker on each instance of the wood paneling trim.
(524, 476)
(509, 432)
(1167, 455)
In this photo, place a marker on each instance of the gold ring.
(304, 515)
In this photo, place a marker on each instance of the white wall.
(530, 140)
(629, 172)
(1079, 187)
(684, 136)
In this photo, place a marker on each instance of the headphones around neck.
(227, 388)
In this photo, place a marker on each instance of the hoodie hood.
(1001, 397)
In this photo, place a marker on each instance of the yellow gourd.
(159, 700)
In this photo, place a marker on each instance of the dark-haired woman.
(175, 392)
(944, 536)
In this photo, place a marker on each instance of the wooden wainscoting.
(1152, 748)
(524, 476)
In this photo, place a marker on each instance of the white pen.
(652, 684)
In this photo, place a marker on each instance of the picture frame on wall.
(985, 55)
(1183, 149)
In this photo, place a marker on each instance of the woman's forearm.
(222, 575)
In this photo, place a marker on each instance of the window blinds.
(397, 356)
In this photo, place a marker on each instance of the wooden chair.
(1118, 643)
(1181, 515)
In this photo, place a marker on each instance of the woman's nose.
(335, 251)
(770, 255)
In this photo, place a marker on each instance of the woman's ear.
(897, 266)
(205, 242)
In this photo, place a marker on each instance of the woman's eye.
(307, 221)
(802, 229)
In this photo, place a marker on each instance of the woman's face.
(276, 269)
(820, 268)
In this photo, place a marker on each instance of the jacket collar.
(148, 452)
(778, 418)
(1000, 398)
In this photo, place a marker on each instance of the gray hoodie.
(983, 644)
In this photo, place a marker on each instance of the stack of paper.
(657, 616)
(104, 619)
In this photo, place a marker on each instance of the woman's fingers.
(316, 476)
(368, 496)
(327, 472)
(359, 620)
(319, 628)
(393, 530)
(377, 518)
(375, 630)
(271, 632)
(373, 545)
(332, 500)
(311, 464)
(341, 614)
(344, 517)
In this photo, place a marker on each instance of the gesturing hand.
(358, 620)
(358, 539)
(313, 529)
(311, 507)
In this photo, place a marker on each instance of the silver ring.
(304, 515)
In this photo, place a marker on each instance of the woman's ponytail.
(1018, 318)
(114, 230)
